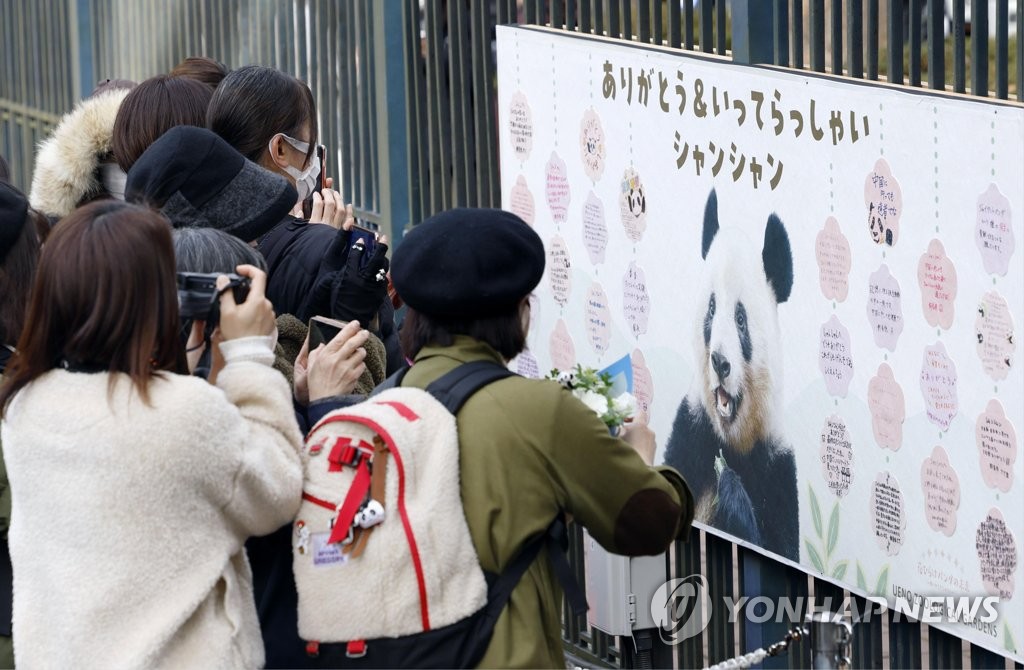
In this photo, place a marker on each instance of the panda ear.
(777, 258)
(710, 224)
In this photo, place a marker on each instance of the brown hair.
(104, 298)
(154, 107)
(503, 332)
(254, 103)
(207, 70)
(17, 271)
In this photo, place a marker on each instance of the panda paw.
(734, 513)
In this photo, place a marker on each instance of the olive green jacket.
(531, 451)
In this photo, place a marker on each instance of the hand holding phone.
(322, 330)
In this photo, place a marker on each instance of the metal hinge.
(631, 608)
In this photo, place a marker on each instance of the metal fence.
(407, 102)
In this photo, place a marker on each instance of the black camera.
(198, 297)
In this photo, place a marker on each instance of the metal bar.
(391, 109)
(657, 28)
(81, 45)
(707, 17)
(837, 37)
(979, 47)
(751, 43)
(780, 23)
(914, 24)
(688, 25)
(644, 20)
(798, 34)
(626, 14)
(415, 112)
(586, 17)
(458, 77)
(721, 638)
(721, 29)
(437, 87)
(895, 42)
(675, 33)
(872, 30)
(487, 117)
(983, 659)
(557, 11)
(374, 150)
(904, 642)
(598, 13)
(686, 561)
(531, 11)
(1003, 47)
(936, 46)
(959, 48)
(614, 29)
(570, 14)
(944, 650)
(867, 634)
(855, 41)
(817, 19)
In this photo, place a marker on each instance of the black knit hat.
(13, 215)
(468, 263)
(198, 180)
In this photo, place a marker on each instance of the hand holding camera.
(254, 316)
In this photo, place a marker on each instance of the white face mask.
(305, 180)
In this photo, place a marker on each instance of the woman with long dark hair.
(134, 487)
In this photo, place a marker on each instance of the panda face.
(728, 394)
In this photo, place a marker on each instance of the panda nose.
(721, 365)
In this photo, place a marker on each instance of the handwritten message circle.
(941, 487)
(833, 252)
(636, 303)
(633, 204)
(997, 554)
(592, 145)
(835, 359)
(938, 385)
(994, 330)
(527, 365)
(521, 200)
(563, 349)
(993, 231)
(888, 408)
(997, 446)
(643, 382)
(598, 319)
(520, 120)
(559, 270)
(937, 279)
(556, 188)
(888, 514)
(885, 308)
(884, 199)
(595, 232)
(836, 456)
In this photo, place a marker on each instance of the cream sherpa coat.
(67, 162)
(128, 520)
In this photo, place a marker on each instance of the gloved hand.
(358, 289)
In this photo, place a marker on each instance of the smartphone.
(321, 183)
(322, 330)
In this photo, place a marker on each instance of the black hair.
(504, 332)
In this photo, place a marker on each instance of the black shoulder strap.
(454, 388)
(393, 381)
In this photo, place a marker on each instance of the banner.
(819, 286)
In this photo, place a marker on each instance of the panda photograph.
(726, 438)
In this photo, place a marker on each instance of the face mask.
(305, 180)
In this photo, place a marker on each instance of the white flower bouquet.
(594, 389)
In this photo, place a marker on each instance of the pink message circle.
(556, 188)
(835, 358)
(595, 232)
(994, 331)
(633, 204)
(885, 308)
(997, 446)
(883, 198)
(563, 350)
(937, 279)
(833, 252)
(997, 554)
(836, 456)
(521, 201)
(559, 270)
(643, 382)
(993, 231)
(941, 487)
(527, 365)
(938, 385)
(592, 144)
(598, 319)
(888, 408)
(888, 514)
(636, 303)
(520, 121)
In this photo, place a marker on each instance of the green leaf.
(839, 571)
(833, 529)
(815, 511)
(815, 556)
(883, 582)
(862, 582)
(1008, 638)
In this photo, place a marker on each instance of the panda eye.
(741, 321)
(711, 306)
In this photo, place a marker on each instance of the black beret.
(198, 180)
(467, 263)
(13, 215)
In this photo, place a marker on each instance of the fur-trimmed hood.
(66, 166)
